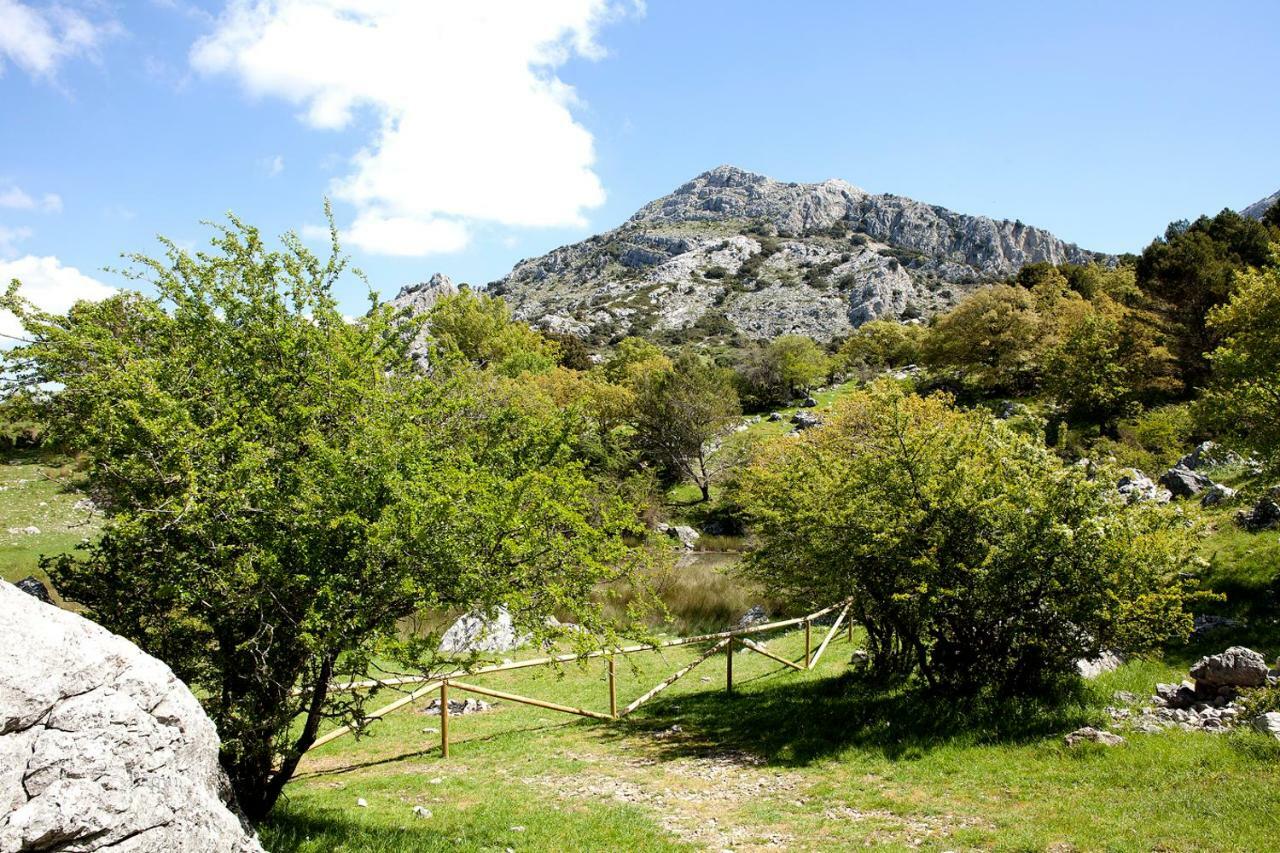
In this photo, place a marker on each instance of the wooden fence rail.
(723, 640)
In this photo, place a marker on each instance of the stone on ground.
(1089, 734)
(1236, 667)
(480, 632)
(101, 746)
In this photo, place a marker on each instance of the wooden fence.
(723, 641)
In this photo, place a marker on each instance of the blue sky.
(461, 137)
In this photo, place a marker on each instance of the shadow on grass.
(797, 724)
(291, 828)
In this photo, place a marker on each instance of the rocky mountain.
(732, 252)
(1261, 206)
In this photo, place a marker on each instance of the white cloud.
(17, 198)
(48, 285)
(472, 123)
(9, 239)
(275, 165)
(39, 40)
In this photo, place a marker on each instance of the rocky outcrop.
(1264, 515)
(737, 252)
(482, 632)
(101, 746)
(1135, 487)
(419, 299)
(33, 587)
(1089, 734)
(1261, 206)
(1236, 667)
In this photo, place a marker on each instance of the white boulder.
(101, 746)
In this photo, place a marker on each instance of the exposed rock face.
(1093, 667)
(1268, 723)
(1236, 667)
(1260, 207)
(1216, 494)
(755, 616)
(419, 299)
(101, 747)
(479, 632)
(1264, 515)
(736, 251)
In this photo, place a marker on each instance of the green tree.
(1085, 374)
(993, 340)
(1192, 269)
(1243, 398)
(882, 343)
(281, 489)
(478, 328)
(678, 414)
(633, 360)
(972, 555)
(800, 362)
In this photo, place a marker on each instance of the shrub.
(973, 556)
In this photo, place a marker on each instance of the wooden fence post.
(806, 643)
(728, 664)
(444, 719)
(613, 690)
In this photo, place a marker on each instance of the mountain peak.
(735, 253)
(1260, 207)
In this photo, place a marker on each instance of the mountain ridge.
(732, 252)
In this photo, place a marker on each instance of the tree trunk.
(257, 796)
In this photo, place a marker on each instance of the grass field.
(818, 760)
(803, 761)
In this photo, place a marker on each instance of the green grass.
(38, 491)
(815, 760)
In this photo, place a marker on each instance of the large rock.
(1217, 494)
(1268, 724)
(1264, 515)
(1236, 667)
(685, 535)
(805, 420)
(1208, 455)
(1184, 483)
(1093, 667)
(419, 299)
(101, 746)
(480, 632)
(1135, 487)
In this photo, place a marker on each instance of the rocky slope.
(732, 252)
(1261, 206)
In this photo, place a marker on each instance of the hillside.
(736, 252)
(1261, 206)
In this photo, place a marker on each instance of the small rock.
(30, 530)
(422, 812)
(361, 802)
(517, 829)
(774, 417)
(32, 586)
(860, 658)
(1264, 515)
(805, 420)
(755, 616)
(809, 403)
(1135, 487)
(1089, 734)
(1217, 494)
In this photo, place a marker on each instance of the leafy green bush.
(974, 557)
(1163, 434)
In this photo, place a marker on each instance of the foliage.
(1243, 399)
(1162, 434)
(973, 556)
(992, 339)
(282, 489)
(1192, 269)
(778, 371)
(476, 328)
(571, 351)
(678, 413)
(634, 361)
(882, 343)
